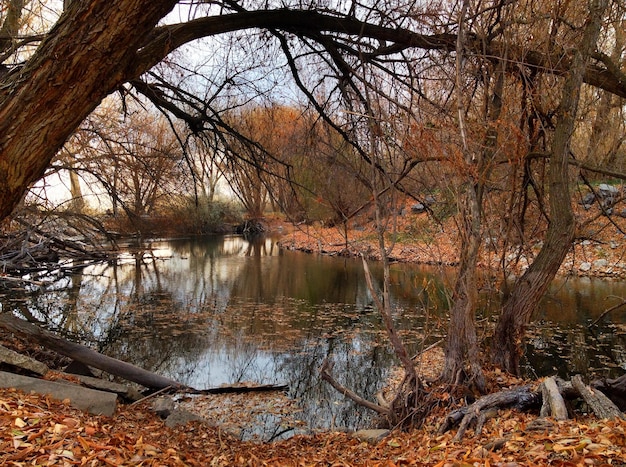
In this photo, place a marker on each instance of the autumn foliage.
(39, 431)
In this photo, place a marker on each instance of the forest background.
(502, 121)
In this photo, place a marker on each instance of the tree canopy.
(55, 76)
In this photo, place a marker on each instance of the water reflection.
(225, 310)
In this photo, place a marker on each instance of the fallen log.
(614, 389)
(85, 355)
(553, 402)
(601, 405)
(240, 389)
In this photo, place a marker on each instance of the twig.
(430, 347)
(326, 376)
(21, 280)
(606, 312)
(150, 396)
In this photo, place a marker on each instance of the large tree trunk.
(43, 103)
(532, 285)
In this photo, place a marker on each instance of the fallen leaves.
(38, 431)
(440, 245)
(248, 415)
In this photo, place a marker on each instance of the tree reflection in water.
(226, 310)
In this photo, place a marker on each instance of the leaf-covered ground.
(417, 238)
(39, 431)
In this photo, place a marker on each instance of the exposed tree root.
(550, 396)
(522, 398)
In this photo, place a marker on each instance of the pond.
(223, 310)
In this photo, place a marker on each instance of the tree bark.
(462, 349)
(553, 402)
(83, 58)
(86, 355)
(521, 397)
(532, 285)
(615, 389)
(462, 343)
(601, 405)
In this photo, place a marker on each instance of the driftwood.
(22, 361)
(522, 398)
(601, 405)
(550, 396)
(553, 402)
(84, 354)
(614, 389)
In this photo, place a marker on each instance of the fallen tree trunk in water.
(84, 354)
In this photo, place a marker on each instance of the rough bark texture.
(553, 402)
(601, 405)
(615, 389)
(462, 342)
(522, 398)
(531, 286)
(85, 56)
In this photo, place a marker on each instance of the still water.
(224, 310)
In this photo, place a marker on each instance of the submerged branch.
(325, 370)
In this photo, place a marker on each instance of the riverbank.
(599, 249)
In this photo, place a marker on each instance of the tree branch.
(167, 38)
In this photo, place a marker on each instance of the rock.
(85, 399)
(605, 191)
(600, 263)
(429, 200)
(182, 417)
(370, 436)
(109, 386)
(584, 267)
(608, 212)
(163, 406)
(623, 213)
(588, 200)
(418, 208)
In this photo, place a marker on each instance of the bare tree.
(529, 288)
(55, 77)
